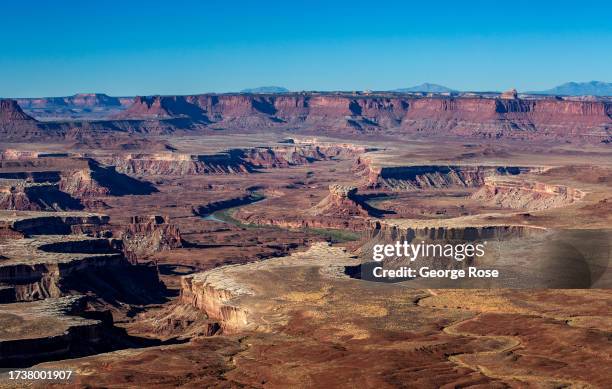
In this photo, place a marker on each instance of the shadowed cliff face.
(10, 111)
(432, 176)
(343, 201)
(14, 121)
(462, 116)
(233, 161)
(32, 197)
(62, 183)
(476, 117)
(144, 236)
(119, 184)
(533, 196)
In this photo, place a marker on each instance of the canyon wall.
(14, 123)
(458, 231)
(388, 231)
(536, 119)
(145, 236)
(461, 116)
(533, 196)
(24, 196)
(62, 184)
(49, 255)
(70, 335)
(212, 293)
(342, 201)
(233, 161)
(431, 176)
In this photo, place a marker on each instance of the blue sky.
(56, 48)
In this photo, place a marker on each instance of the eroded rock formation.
(63, 334)
(24, 196)
(48, 255)
(528, 195)
(220, 292)
(17, 125)
(234, 161)
(461, 116)
(213, 294)
(476, 117)
(341, 201)
(62, 180)
(145, 236)
(431, 176)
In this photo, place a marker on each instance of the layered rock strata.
(535, 196)
(475, 117)
(342, 201)
(461, 116)
(233, 161)
(415, 177)
(80, 179)
(221, 293)
(46, 255)
(50, 329)
(145, 236)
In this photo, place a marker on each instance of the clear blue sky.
(55, 48)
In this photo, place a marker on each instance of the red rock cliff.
(462, 116)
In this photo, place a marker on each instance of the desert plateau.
(306, 195)
(227, 238)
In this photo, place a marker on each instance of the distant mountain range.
(88, 106)
(266, 89)
(427, 88)
(80, 100)
(593, 88)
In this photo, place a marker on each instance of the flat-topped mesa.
(301, 154)
(431, 176)
(52, 329)
(528, 195)
(145, 236)
(15, 154)
(41, 267)
(54, 223)
(93, 100)
(233, 161)
(161, 107)
(474, 116)
(224, 293)
(467, 228)
(72, 175)
(80, 183)
(506, 116)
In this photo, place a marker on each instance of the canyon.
(225, 240)
(476, 117)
